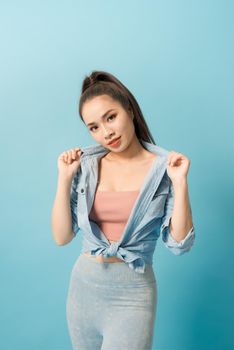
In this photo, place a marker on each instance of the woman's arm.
(181, 220)
(61, 213)
(177, 228)
(64, 212)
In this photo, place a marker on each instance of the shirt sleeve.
(73, 204)
(184, 245)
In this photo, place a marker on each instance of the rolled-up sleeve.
(73, 204)
(184, 245)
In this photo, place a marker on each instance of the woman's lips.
(115, 143)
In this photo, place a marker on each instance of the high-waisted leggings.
(110, 306)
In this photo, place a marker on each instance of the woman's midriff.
(101, 258)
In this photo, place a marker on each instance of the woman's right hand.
(69, 162)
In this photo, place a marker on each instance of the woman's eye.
(111, 116)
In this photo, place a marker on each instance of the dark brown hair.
(103, 83)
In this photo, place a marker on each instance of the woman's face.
(106, 120)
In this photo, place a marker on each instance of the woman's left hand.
(177, 166)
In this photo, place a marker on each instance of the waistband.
(107, 273)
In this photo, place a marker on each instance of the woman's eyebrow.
(103, 116)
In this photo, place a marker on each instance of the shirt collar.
(98, 150)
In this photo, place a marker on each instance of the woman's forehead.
(96, 109)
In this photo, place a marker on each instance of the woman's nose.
(107, 132)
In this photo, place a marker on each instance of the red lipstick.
(115, 143)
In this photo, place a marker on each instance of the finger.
(73, 154)
(70, 156)
(173, 160)
(178, 159)
(171, 154)
(78, 153)
(63, 157)
(170, 158)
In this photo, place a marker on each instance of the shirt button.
(82, 190)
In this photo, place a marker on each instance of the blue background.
(176, 57)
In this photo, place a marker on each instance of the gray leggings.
(110, 306)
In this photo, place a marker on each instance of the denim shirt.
(149, 218)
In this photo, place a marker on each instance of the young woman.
(121, 194)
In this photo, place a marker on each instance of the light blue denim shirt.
(149, 217)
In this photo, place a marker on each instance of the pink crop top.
(111, 211)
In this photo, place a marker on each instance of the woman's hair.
(100, 83)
